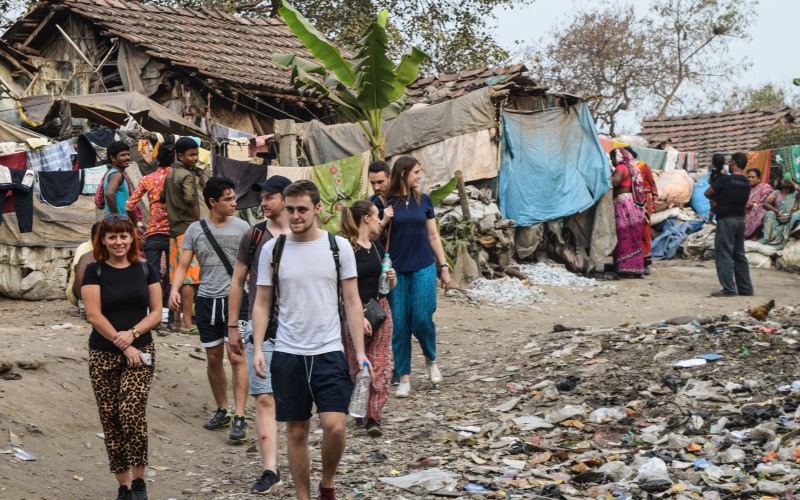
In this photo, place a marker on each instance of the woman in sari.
(629, 202)
(782, 218)
(754, 214)
(651, 195)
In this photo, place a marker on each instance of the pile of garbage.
(486, 235)
(689, 408)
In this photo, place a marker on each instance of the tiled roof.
(434, 89)
(716, 132)
(217, 45)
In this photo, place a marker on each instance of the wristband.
(233, 326)
(444, 266)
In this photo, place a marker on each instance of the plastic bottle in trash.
(360, 399)
(383, 281)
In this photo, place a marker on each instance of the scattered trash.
(24, 455)
(62, 326)
(429, 481)
(688, 363)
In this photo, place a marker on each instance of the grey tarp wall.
(413, 129)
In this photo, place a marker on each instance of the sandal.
(191, 331)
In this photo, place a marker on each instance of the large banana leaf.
(377, 69)
(437, 195)
(289, 60)
(329, 55)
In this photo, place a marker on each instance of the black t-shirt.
(731, 193)
(124, 299)
(368, 264)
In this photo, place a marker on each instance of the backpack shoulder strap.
(337, 262)
(255, 239)
(277, 253)
(222, 257)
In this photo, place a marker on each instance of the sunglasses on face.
(110, 217)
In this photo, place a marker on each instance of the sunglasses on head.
(110, 217)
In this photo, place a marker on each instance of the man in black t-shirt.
(729, 195)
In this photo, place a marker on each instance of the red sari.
(651, 193)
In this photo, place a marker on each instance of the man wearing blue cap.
(246, 265)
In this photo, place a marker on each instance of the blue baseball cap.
(275, 184)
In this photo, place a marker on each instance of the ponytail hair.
(351, 218)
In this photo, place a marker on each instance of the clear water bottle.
(359, 402)
(383, 281)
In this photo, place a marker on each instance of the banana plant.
(366, 88)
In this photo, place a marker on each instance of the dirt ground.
(52, 409)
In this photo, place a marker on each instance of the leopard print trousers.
(121, 395)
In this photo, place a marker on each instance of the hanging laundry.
(239, 151)
(691, 162)
(16, 161)
(244, 174)
(60, 188)
(6, 148)
(204, 156)
(19, 183)
(760, 160)
(222, 132)
(37, 142)
(92, 147)
(788, 159)
(607, 144)
(671, 163)
(259, 144)
(292, 173)
(656, 158)
(340, 183)
(54, 157)
(93, 177)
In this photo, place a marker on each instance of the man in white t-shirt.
(308, 365)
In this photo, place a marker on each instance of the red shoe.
(327, 493)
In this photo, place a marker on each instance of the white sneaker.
(403, 389)
(434, 375)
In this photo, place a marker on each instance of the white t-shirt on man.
(308, 310)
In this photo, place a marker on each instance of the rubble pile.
(486, 234)
(688, 408)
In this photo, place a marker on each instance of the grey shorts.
(258, 385)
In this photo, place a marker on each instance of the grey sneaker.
(219, 420)
(138, 490)
(238, 429)
(269, 481)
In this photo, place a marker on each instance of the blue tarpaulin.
(552, 166)
(672, 236)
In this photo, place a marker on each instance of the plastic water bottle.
(359, 402)
(383, 281)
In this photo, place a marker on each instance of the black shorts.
(211, 316)
(298, 382)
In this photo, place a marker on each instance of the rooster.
(761, 312)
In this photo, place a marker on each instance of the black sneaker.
(219, 420)
(374, 428)
(268, 482)
(138, 490)
(723, 293)
(238, 430)
(124, 493)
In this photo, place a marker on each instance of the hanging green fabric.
(340, 183)
(788, 159)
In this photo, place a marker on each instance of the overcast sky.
(772, 48)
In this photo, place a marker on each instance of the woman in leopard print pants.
(118, 290)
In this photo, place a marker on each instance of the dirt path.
(52, 408)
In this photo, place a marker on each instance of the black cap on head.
(275, 184)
